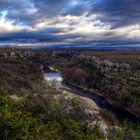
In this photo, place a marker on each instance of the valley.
(87, 95)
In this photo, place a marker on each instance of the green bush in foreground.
(18, 123)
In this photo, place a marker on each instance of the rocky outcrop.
(11, 53)
(105, 65)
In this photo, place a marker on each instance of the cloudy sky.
(70, 23)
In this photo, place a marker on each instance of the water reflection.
(54, 79)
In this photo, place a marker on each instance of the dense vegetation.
(122, 86)
(116, 75)
(32, 118)
(28, 109)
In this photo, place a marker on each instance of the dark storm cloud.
(18, 9)
(118, 12)
(46, 35)
(113, 13)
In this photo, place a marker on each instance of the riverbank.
(102, 101)
(95, 107)
(107, 103)
(91, 110)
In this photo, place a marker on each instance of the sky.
(70, 23)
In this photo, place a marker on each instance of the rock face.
(105, 65)
(5, 55)
(11, 53)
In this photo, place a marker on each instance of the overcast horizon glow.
(69, 23)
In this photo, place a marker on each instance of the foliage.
(34, 113)
(18, 122)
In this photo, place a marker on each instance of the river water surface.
(55, 79)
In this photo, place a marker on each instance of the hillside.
(31, 109)
(28, 109)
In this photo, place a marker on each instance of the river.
(54, 78)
